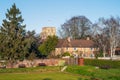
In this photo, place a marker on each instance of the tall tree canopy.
(33, 43)
(13, 43)
(77, 27)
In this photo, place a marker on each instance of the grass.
(40, 76)
(39, 73)
(35, 69)
(53, 73)
(94, 73)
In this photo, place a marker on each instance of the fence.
(74, 61)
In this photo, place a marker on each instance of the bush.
(105, 67)
(66, 54)
(102, 63)
(61, 63)
(22, 66)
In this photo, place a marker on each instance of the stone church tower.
(47, 31)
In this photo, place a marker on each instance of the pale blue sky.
(40, 13)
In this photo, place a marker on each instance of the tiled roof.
(75, 43)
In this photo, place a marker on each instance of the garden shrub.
(66, 54)
(61, 62)
(102, 63)
(104, 67)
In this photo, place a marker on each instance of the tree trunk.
(111, 51)
(104, 52)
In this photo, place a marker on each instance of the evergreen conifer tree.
(12, 34)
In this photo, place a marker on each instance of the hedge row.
(102, 63)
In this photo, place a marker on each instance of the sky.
(54, 13)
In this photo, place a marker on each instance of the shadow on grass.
(47, 79)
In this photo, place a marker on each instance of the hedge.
(102, 63)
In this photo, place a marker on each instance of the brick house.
(83, 48)
(117, 51)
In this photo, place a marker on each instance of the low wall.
(35, 63)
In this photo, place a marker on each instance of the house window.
(67, 48)
(91, 55)
(91, 49)
(75, 48)
(81, 48)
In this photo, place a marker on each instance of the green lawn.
(39, 73)
(41, 76)
(95, 73)
(53, 73)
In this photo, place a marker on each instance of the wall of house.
(84, 52)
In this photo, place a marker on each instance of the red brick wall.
(36, 62)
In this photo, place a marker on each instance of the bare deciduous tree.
(77, 27)
(113, 25)
(107, 33)
(100, 36)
